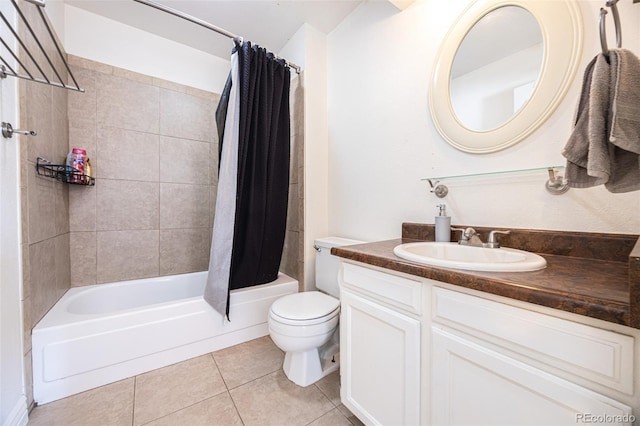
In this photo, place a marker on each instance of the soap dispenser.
(443, 224)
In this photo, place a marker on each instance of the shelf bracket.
(556, 184)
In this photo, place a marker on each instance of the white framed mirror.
(502, 70)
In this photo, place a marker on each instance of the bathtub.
(100, 334)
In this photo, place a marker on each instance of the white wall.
(13, 403)
(104, 40)
(382, 140)
(307, 48)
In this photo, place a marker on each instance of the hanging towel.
(604, 146)
(624, 136)
(587, 151)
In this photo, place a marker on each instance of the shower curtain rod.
(207, 25)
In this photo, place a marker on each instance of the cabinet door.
(380, 362)
(474, 385)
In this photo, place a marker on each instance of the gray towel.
(604, 146)
(587, 151)
(624, 137)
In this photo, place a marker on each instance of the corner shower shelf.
(62, 173)
(555, 183)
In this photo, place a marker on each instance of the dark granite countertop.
(597, 275)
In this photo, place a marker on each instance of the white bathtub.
(100, 334)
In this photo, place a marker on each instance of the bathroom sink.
(454, 255)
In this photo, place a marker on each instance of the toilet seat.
(306, 308)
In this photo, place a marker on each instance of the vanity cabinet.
(417, 351)
(380, 344)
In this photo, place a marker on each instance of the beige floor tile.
(332, 418)
(330, 387)
(274, 400)
(172, 388)
(242, 363)
(349, 415)
(218, 410)
(107, 405)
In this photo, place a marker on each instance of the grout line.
(227, 387)
(133, 403)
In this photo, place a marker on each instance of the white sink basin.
(454, 255)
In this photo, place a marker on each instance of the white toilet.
(305, 325)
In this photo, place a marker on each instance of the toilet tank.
(327, 265)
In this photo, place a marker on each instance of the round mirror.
(493, 76)
(502, 70)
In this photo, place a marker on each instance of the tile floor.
(240, 385)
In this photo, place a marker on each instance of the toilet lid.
(305, 306)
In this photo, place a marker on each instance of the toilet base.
(307, 367)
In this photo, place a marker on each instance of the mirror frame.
(561, 26)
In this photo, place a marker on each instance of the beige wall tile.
(83, 106)
(61, 207)
(184, 206)
(169, 389)
(293, 203)
(27, 326)
(289, 262)
(82, 207)
(213, 163)
(127, 104)
(83, 253)
(43, 278)
(42, 223)
(127, 154)
(88, 64)
(62, 265)
(39, 117)
(28, 379)
(186, 116)
(59, 124)
(184, 161)
(125, 204)
(296, 96)
(135, 76)
(184, 250)
(126, 255)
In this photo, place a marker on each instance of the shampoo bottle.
(443, 224)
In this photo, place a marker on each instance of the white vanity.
(419, 351)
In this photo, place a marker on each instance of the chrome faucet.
(469, 237)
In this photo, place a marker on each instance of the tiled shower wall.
(292, 256)
(154, 151)
(45, 202)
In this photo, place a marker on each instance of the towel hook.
(616, 22)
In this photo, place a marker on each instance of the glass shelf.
(62, 173)
(555, 183)
(503, 172)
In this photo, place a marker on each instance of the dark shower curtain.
(262, 166)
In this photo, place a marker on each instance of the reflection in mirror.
(496, 68)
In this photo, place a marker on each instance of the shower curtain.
(253, 183)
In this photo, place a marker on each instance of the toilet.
(305, 325)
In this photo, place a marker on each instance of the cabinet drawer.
(597, 355)
(399, 292)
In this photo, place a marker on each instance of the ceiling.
(269, 23)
